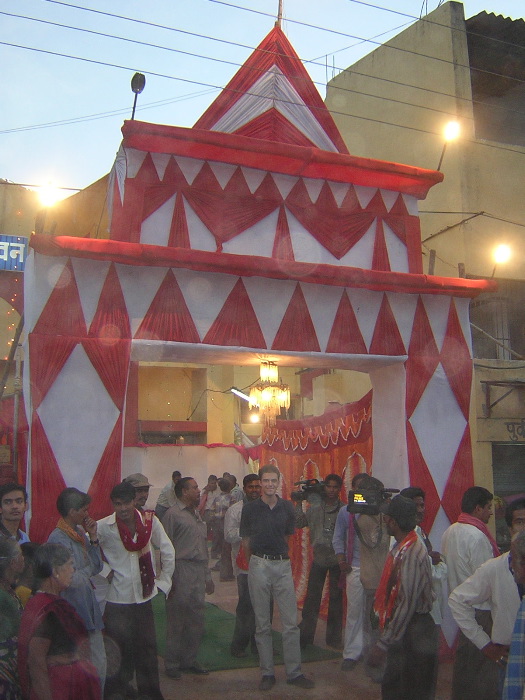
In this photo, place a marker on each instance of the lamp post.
(450, 133)
(137, 86)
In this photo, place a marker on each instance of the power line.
(112, 36)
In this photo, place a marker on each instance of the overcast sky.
(43, 89)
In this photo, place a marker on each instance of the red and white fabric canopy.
(269, 240)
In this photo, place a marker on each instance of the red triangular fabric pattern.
(70, 321)
(179, 234)
(456, 361)
(273, 126)
(376, 205)
(380, 260)
(47, 356)
(345, 336)
(461, 477)
(156, 195)
(423, 358)
(134, 196)
(228, 212)
(111, 320)
(282, 244)
(108, 473)
(336, 228)
(237, 322)
(46, 483)
(111, 361)
(274, 50)
(168, 317)
(407, 228)
(420, 476)
(387, 338)
(297, 331)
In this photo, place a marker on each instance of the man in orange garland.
(409, 640)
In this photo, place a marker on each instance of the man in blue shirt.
(266, 525)
(13, 505)
(77, 531)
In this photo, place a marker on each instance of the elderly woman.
(11, 566)
(53, 643)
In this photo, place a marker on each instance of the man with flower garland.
(409, 641)
(127, 538)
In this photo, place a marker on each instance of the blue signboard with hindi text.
(13, 252)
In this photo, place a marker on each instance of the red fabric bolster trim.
(255, 266)
(295, 160)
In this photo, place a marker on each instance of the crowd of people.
(77, 617)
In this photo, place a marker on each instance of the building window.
(501, 315)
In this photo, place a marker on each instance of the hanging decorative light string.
(269, 394)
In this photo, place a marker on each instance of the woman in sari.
(53, 647)
(11, 566)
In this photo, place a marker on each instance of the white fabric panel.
(160, 161)
(270, 299)
(155, 230)
(313, 187)
(253, 177)
(284, 183)
(411, 204)
(404, 308)
(190, 167)
(139, 286)
(438, 425)
(46, 273)
(118, 175)
(366, 305)
(339, 190)
(397, 251)
(256, 240)
(78, 417)
(441, 523)
(364, 194)
(362, 253)
(205, 294)
(134, 160)
(273, 89)
(90, 276)
(437, 307)
(322, 302)
(223, 172)
(200, 235)
(389, 198)
(390, 458)
(191, 460)
(462, 307)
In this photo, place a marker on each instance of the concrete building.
(393, 104)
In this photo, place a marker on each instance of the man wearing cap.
(408, 639)
(142, 486)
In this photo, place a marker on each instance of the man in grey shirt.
(191, 581)
(78, 532)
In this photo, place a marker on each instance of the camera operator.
(361, 543)
(323, 506)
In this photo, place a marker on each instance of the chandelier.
(269, 394)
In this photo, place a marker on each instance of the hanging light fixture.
(269, 394)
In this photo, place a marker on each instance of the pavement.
(241, 684)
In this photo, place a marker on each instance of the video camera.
(308, 488)
(368, 500)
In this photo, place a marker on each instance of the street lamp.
(137, 86)
(501, 255)
(450, 133)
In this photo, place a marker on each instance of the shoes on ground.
(267, 683)
(335, 645)
(301, 682)
(348, 664)
(197, 669)
(176, 674)
(238, 654)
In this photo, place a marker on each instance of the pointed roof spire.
(272, 97)
(279, 14)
